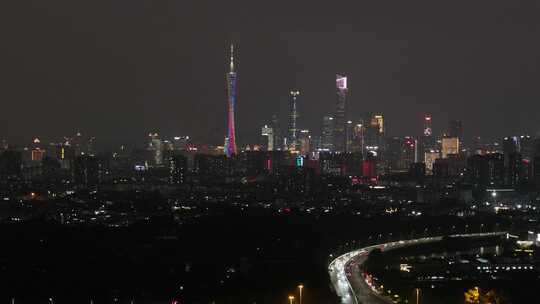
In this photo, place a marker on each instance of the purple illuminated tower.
(230, 142)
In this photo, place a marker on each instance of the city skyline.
(169, 77)
(269, 152)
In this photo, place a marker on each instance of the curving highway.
(348, 282)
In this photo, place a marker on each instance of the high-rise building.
(304, 140)
(349, 136)
(327, 134)
(370, 133)
(358, 143)
(456, 129)
(400, 153)
(450, 145)
(292, 136)
(155, 145)
(486, 170)
(378, 122)
(267, 138)
(37, 154)
(276, 129)
(340, 123)
(230, 147)
(429, 160)
(428, 140)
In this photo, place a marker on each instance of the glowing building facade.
(450, 145)
(327, 138)
(292, 139)
(267, 138)
(340, 118)
(230, 141)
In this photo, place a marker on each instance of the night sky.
(118, 69)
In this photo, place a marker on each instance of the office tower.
(456, 129)
(327, 134)
(349, 136)
(450, 145)
(304, 140)
(429, 159)
(76, 143)
(400, 153)
(292, 139)
(267, 138)
(230, 147)
(177, 169)
(409, 153)
(428, 141)
(358, 139)
(392, 153)
(378, 123)
(513, 164)
(376, 134)
(486, 170)
(340, 119)
(37, 153)
(276, 130)
(155, 146)
(369, 133)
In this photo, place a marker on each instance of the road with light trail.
(348, 282)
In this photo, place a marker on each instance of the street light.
(300, 287)
(291, 299)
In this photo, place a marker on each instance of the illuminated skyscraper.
(428, 142)
(450, 145)
(276, 130)
(327, 138)
(456, 129)
(267, 138)
(428, 131)
(340, 121)
(155, 146)
(304, 140)
(230, 147)
(378, 122)
(292, 137)
(429, 160)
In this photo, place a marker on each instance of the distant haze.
(120, 69)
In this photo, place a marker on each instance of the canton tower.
(230, 142)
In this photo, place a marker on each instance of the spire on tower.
(232, 57)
